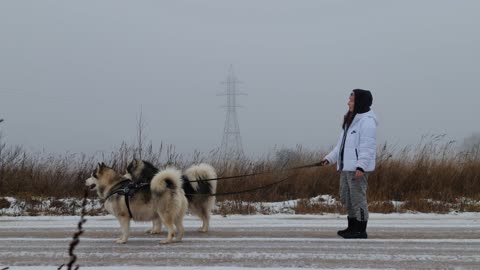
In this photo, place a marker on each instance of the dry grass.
(305, 206)
(236, 207)
(382, 207)
(427, 206)
(4, 203)
(432, 170)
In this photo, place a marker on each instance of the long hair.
(347, 119)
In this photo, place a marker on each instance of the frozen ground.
(396, 241)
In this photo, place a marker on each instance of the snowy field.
(396, 241)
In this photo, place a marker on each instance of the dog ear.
(134, 162)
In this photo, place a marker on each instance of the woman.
(355, 155)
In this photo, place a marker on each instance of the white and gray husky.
(162, 200)
(200, 194)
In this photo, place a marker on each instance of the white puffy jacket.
(360, 144)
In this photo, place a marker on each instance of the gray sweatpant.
(353, 194)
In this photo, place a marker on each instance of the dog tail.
(170, 178)
(199, 172)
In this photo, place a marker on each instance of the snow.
(48, 205)
(157, 268)
(280, 240)
(69, 205)
(403, 220)
(254, 239)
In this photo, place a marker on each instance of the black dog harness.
(127, 188)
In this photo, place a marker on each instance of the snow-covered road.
(396, 241)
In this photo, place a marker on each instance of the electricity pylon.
(231, 147)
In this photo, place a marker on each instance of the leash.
(254, 174)
(243, 191)
(318, 164)
(127, 188)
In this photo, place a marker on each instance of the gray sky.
(74, 74)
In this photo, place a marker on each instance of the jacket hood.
(363, 100)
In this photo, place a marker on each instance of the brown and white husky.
(162, 201)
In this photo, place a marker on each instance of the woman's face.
(351, 102)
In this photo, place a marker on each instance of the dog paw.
(121, 241)
(203, 230)
(152, 231)
(167, 241)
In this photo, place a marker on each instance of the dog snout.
(91, 183)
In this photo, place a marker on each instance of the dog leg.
(204, 215)
(199, 211)
(156, 226)
(180, 228)
(125, 228)
(170, 229)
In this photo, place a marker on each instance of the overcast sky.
(74, 75)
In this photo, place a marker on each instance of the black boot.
(359, 230)
(349, 228)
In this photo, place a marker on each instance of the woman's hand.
(323, 163)
(359, 174)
